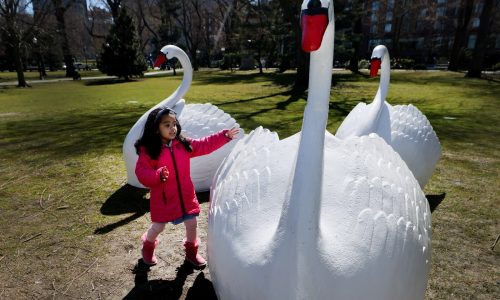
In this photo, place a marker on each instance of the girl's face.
(168, 128)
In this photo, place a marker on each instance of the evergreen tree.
(121, 55)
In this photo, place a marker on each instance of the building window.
(420, 43)
(373, 29)
(374, 18)
(375, 5)
(471, 44)
(478, 8)
(373, 43)
(441, 1)
(388, 16)
(388, 27)
(441, 11)
(438, 25)
(475, 22)
(423, 13)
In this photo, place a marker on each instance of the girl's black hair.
(151, 139)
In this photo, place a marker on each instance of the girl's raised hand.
(232, 133)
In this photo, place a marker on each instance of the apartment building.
(422, 29)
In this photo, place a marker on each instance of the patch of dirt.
(49, 268)
(124, 276)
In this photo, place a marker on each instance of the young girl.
(163, 166)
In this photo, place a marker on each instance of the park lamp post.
(39, 59)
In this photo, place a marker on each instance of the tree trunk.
(291, 11)
(259, 56)
(357, 29)
(464, 16)
(476, 65)
(21, 80)
(61, 27)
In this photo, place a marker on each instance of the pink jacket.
(171, 199)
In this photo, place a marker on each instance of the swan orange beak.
(160, 59)
(375, 66)
(313, 23)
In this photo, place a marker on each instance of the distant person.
(163, 166)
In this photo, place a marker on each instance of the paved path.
(37, 81)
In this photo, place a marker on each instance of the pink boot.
(192, 255)
(148, 250)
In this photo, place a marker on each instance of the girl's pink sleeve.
(209, 143)
(147, 174)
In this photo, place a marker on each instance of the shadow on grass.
(110, 81)
(125, 200)
(70, 134)
(435, 200)
(130, 200)
(169, 289)
(224, 78)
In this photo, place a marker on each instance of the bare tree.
(357, 32)
(401, 11)
(17, 27)
(190, 19)
(114, 7)
(60, 9)
(464, 16)
(291, 14)
(476, 65)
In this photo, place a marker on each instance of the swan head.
(378, 54)
(166, 53)
(314, 18)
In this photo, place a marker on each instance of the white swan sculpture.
(197, 120)
(313, 216)
(403, 127)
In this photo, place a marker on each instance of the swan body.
(313, 216)
(196, 120)
(404, 127)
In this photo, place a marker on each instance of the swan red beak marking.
(160, 59)
(374, 66)
(313, 24)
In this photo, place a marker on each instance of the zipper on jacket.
(178, 182)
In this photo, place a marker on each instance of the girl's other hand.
(164, 174)
(232, 133)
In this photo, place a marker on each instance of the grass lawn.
(71, 228)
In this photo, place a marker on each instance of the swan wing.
(413, 137)
(350, 126)
(375, 223)
(246, 204)
(200, 120)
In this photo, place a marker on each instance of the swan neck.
(385, 77)
(303, 211)
(187, 78)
